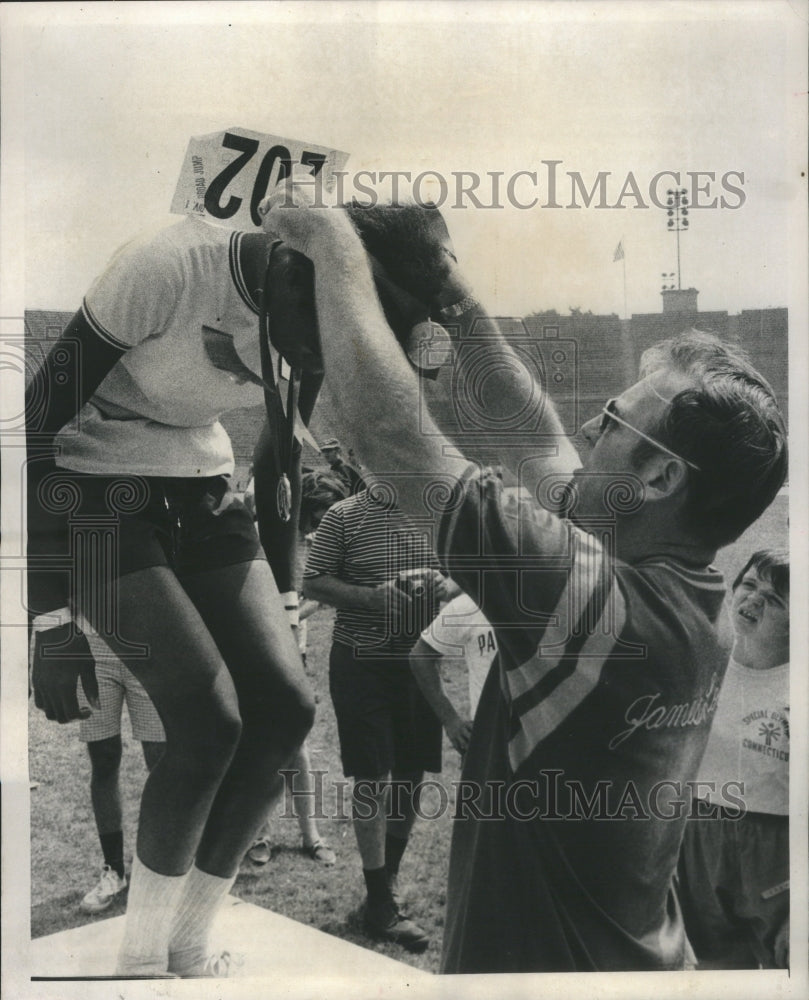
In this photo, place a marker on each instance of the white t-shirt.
(157, 411)
(749, 740)
(461, 629)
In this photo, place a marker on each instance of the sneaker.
(384, 922)
(320, 852)
(260, 851)
(221, 965)
(395, 892)
(101, 895)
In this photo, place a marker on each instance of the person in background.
(459, 634)
(101, 732)
(319, 491)
(596, 613)
(734, 862)
(333, 453)
(368, 562)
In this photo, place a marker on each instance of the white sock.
(150, 913)
(188, 948)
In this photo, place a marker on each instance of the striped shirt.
(600, 710)
(367, 543)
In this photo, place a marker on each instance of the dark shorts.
(383, 720)
(734, 887)
(119, 524)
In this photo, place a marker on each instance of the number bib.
(225, 175)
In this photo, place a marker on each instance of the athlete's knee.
(299, 713)
(220, 733)
(282, 714)
(204, 732)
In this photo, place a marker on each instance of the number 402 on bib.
(225, 175)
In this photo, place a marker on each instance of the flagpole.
(623, 262)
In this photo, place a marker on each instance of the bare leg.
(105, 794)
(407, 789)
(186, 678)
(369, 809)
(302, 793)
(243, 612)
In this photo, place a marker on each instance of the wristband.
(63, 616)
(52, 619)
(459, 308)
(290, 599)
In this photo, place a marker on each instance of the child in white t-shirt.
(734, 861)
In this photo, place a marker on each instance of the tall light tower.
(677, 211)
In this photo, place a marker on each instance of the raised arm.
(375, 391)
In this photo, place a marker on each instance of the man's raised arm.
(375, 392)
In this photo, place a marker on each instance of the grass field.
(65, 856)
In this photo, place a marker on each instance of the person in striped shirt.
(382, 575)
(608, 616)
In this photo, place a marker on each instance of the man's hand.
(390, 597)
(440, 585)
(289, 214)
(459, 730)
(410, 241)
(60, 656)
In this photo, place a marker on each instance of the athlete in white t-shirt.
(460, 633)
(132, 527)
(734, 862)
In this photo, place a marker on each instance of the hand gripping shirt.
(573, 795)
(164, 298)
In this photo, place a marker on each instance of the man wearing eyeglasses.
(611, 641)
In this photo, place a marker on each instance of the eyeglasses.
(608, 413)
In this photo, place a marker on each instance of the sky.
(99, 103)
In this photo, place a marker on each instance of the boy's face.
(759, 612)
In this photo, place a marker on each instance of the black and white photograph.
(404, 457)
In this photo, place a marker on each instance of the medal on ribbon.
(283, 498)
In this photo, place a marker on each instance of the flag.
(619, 252)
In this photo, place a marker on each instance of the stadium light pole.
(677, 212)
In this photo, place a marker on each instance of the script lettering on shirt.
(648, 713)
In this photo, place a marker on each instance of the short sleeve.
(517, 566)
(449, 631)
(136, 295)
(326, 553)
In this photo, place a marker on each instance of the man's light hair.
(729, 425)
